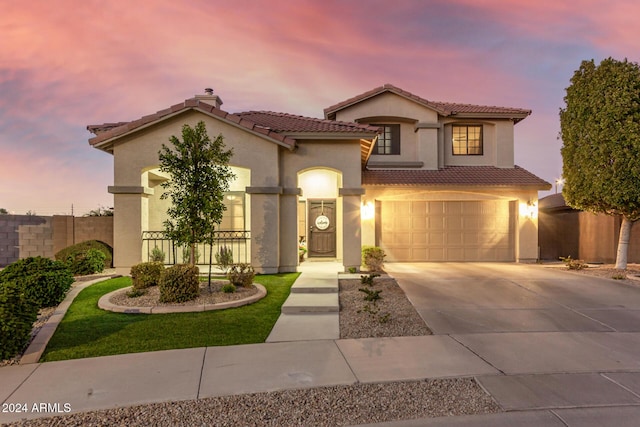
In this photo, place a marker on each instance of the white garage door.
(482, 230)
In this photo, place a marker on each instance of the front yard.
(87, 331)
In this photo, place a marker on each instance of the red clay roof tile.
(273, 125)
(456, 175)
(443, 108)
(283, 122)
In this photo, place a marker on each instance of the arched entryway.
(320, 213)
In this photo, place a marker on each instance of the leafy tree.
(200, 175)
(100, 211)
(3, 211)
(600, 130)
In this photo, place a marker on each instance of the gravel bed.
(631, 274)
(391, 316)
(323, 406)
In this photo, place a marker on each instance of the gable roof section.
(457, 175)
(443, 108)
(107, 133)
(277, 127)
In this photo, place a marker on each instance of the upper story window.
(388, 140)
(467, 140)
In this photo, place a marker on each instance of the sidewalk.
(131, 379)
(554, 378)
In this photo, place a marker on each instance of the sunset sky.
(66, 64)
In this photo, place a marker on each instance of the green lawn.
(87, 331)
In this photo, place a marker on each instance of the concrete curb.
(104, 304)
(39, 343)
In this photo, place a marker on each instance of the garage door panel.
(435, 222)
(448, 230)
(419, 223)
(435, 239)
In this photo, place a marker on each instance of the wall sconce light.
(529, 209)
(367, 211)
(532, 209)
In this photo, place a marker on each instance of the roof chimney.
(210, 98)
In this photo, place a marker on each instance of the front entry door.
(322, 228)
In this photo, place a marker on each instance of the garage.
(470, 230)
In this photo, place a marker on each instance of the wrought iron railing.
(234, 244)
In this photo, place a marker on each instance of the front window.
(467, 140)
(388, 140)
(233, 216)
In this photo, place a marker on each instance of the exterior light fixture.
(367, 211)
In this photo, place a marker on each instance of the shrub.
(573, 264)
(89, 262)
(17, 314)
(368, 279)
(370, 294)
(224, 258)
(44, 281)
(229, 288)
(179, 283)
(241, 274)
(146, 274)
(373, 258)
(76, 255)
(157, 255)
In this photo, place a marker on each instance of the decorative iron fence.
(232, 245)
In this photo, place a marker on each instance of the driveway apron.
(469, 298)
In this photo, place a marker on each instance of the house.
(426, 181)
(565, 231)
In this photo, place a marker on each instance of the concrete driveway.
(470, 298)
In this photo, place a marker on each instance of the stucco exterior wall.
(271, 184)
(432, 146)
(389, 105)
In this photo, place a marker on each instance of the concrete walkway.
(559, 378)
(311, 312)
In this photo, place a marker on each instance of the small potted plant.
(302, 250)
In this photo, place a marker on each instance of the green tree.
(600, 130)
(3, 211)
(200, 176)
(100, 211)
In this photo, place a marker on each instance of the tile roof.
(105, 133)
(275, 126)
(290, 123)
(443, 108)
(456, 175)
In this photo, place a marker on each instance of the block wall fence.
(22, 236)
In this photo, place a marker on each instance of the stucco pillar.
(265, 228)
(289, 230)
(428, 145)
(351, 231)
(527, 238)
(129, 218)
